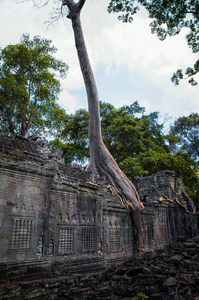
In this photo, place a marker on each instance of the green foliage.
(74, 138)
(186, 131)
(29, 87)
(128, 136)
(123, 133)
(142, 296)
(189, 73)
(169, 17)
(152, 161)
(135, 140)
(127, 7)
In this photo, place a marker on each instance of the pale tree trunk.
(11, 124)
(101, 161)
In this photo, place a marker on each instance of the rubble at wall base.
(54, 218)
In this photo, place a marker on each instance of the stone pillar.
(161, 236)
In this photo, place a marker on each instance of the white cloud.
(68, 102)
(149, 63)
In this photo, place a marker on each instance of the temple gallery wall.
(52, 214)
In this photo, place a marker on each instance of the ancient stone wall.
(169, 211)
(164, 185)
(54, 216)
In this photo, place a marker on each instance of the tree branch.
(69, 3)
(81, 4)
(10, 123)
(1, 73)
(73, 7)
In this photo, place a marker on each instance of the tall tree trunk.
(10, 123)
(101, 161)
(23, 124)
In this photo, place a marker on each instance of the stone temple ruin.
(54, 216)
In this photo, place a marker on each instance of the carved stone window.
(66, 240)
(21, 230)
(115, 245)
(88, 239)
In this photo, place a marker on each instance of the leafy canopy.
(136, 141)
(186, 129)
(29, 87)
(73, 139)
(123, 132)
(169, 18)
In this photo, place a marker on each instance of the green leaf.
(29, 87)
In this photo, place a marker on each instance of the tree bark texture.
(101, 161)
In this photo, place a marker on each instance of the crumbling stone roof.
(161, 186)
(75, 172)
(21, 149)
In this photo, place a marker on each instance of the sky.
(129, 63)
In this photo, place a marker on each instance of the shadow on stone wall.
(53, 215)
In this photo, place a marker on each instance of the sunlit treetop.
(29, 86)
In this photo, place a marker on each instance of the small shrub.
(142, 296)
